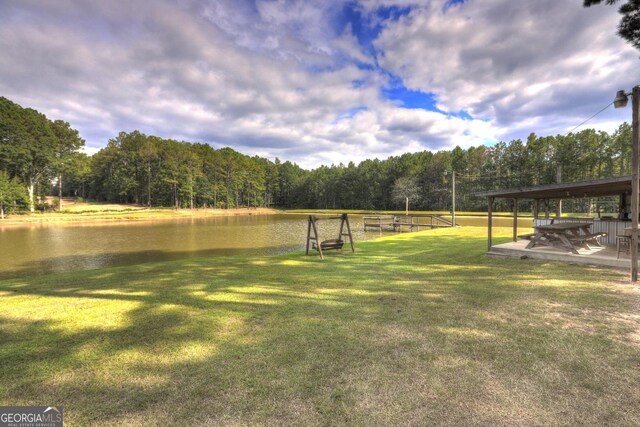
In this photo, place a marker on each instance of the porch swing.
(331, 244)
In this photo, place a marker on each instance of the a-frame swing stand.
(327, 245)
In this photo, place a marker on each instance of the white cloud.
(513, 62)
(281, 78)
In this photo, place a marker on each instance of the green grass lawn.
(413, 329)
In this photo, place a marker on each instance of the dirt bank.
(100, 213)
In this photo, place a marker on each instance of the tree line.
(40, 157)
(34, 151)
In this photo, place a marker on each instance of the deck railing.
(404, 222)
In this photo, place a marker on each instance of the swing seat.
(328, 245)
(313, 240)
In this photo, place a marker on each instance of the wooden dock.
(404, 222)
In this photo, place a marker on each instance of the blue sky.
(316, 82)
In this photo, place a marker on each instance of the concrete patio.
(601, 256)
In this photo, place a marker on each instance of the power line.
(459, 175)
(609, 105)
(510, 177)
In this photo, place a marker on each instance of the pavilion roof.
(592, 188)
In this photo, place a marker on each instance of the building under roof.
(620, 186)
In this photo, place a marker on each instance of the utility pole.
(558, 180)
(635, 100)
(453, 199)
(620, 102)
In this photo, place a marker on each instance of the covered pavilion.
(541, 195)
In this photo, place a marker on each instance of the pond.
(46, 248)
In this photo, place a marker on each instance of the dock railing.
(380, 222)
(404, 222)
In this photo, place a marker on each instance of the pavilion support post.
(546, 208)
(515, 220)
(489, 221)
(635, 187)
(536, 207)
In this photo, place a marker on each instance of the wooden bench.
(595, 235)
(527, 236)
(589, 238)
(580, 239)
(328, 245)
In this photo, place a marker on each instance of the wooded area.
(40, 157)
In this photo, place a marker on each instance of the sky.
(317, 82)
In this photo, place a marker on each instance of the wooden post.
(309, 238)
(312, 225)
(489, 221)
(536, 207)
(315, 232)
(345, 219)
(60, 192)
(453, 199)
(558, 201)
(309, 232)
(546, 208)
(515, 220)
(635, 187)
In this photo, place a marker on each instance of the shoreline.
(126, 215)
(114, 214)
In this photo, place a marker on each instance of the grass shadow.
(406, 331)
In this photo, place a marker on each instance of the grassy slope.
(418, 329)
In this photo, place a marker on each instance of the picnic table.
(564, 235)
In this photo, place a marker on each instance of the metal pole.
(515, 220)
(635, 97)
(558, 201)
(490, 223)
(453, 200)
